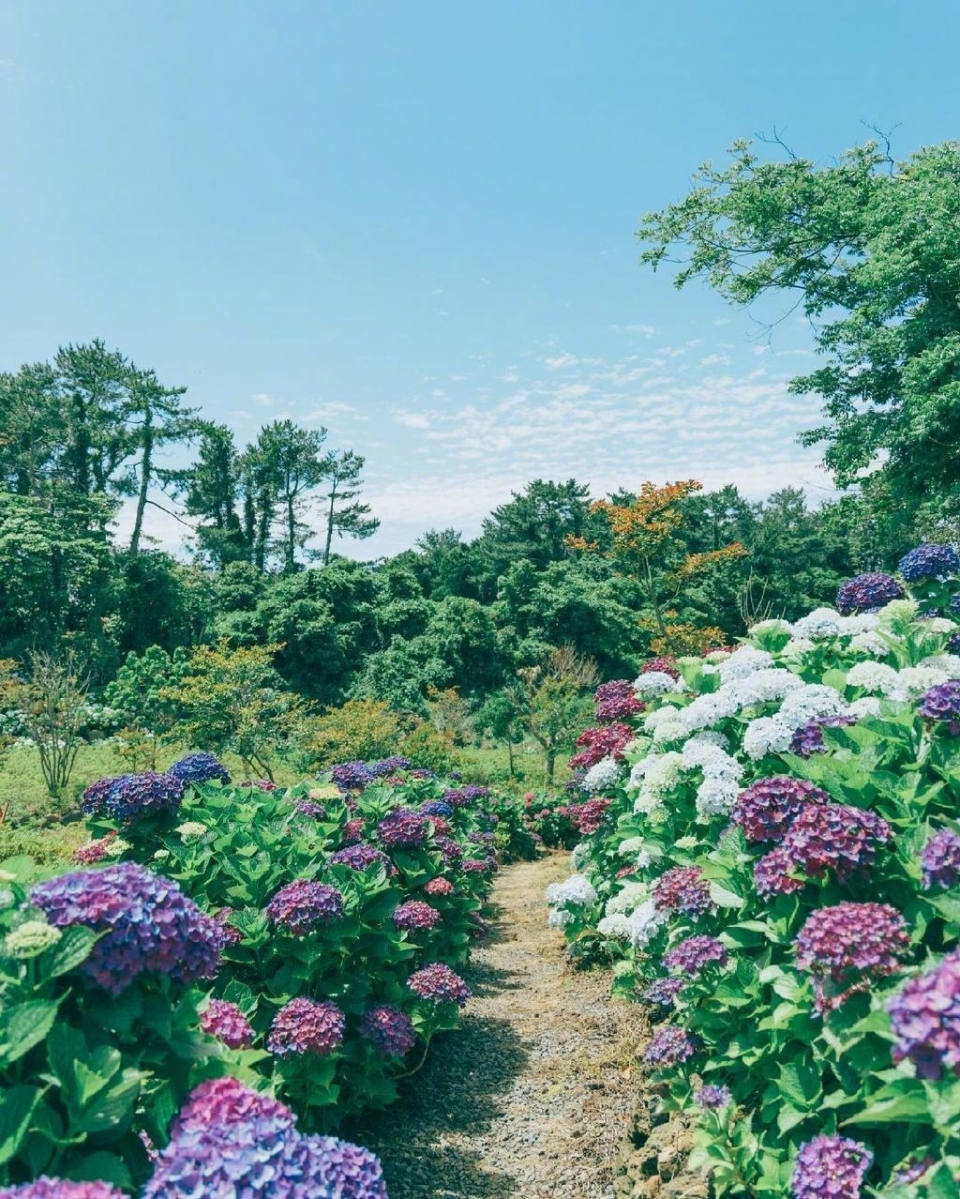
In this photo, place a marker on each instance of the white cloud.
(561, 362)
(412, 420)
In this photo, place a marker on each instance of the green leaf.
(26, 1025)
(17, 1106)
(73, 948)
(911, 1108)
(113, 1108)
(102, 1167)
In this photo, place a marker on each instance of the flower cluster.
(827, 836)
(664, 991)
(766, 809)
(807, 739)
(463, 797)
(830, 1167)
(306, 1026)
(942, 704)
(439, 984)
(668, 1046)
(695, 953)
(929, 561)
(847, 946)
(588, 816)
(438, 886)
(129, 796)
(200, 768)
(310, 807)
(360, 857)
(403, 829)
(436, 807)
(616, 700)
(389, 1029)
(940, 860)
(683, 889)
(576, 890)
(664, 665)
(149, 925)
(95, 851)
(603, 776)
(866, 592)
(604, 741)
(651, 684)
(302, 906)
(712, 1097)
(227, 1023)
(415, 916)
(30, 939)
(388, 766)
(45, 1187)
(925, 1018)
(352, 776)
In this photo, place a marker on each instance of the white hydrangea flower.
(616, 925)
(639, 771)
(576, 890)
(661, 777)
(808, 701)
(742, 662)
(763, 687)
(708, 710)
(859, 622)
(557, 918)
(913, 681)
(870, 643)
(602, 776)
(716, 796)
(578, 854)
(949, 664)
(797, 646)
(897, 610)
(669, 730)
(630, 896)
(770, 626)
(655, 683)
(873, 676)
(715, 656)
(866, 706)
(939, 624)
(818, 624)
(659, 716)
(645, 922)
(631, 845)
(766, 735)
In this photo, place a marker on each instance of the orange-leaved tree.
(644, 544)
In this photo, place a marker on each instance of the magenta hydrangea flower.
(360, 857)
(941, 705)
(302, 906)
(683, 889)
(694, 954)
(848, 946)
(306, 1026)
(606, 741)
(668, 1046)
(930, 561)
(93, 852)
(352, 832)
(712, 1097)
(808, 738)
(200, 768)
(450, 851)
(439, 984)
(835, 837)
(389, 1029)
(149, 925)
(227, 1023)
(589, 816)
(925, 1018)
(46, 1187)
(914, 1170)
(130, 796)
(830, 1167)
(228, 1101)
(616, 700)
(866, 592)
(940, 860)
(403, 829)
(415, 916)
(766, 809)
(665, 665)
(478, 865)
(438, 886)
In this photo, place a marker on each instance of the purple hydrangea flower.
(310, 807)
(403, 829)
(712, 1097)
(808, 738)
(227, 1023)
(774, 874)
(465, 796)
(389, 1029)
(450, 850)
(388, 766)
(766, 809)
(350, 1171)
(669, 1045)
(942, 704)
(94, 851)
(616, 700)
(352, 776)
(665, 665)
(837, 837)
(925, 1018)
(200, 768)
(930, 561)
(45, 1187)
(478, 865)
(683, 889)
(847, 946)
(664, 991)
(306, 1026)
(830, 1168)
(436, 807)
(866, 592)
(129, 796)
(228, 1101)
(940, 860)
(695, 953)
(914, 1170)
(149, 924)
(360, 857)
(302, 906)
(415, 916)
(439, 984)
(352, 831)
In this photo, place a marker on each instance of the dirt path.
(534, 1094)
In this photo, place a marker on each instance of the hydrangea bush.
(776, 872)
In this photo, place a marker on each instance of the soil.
(536, 1094)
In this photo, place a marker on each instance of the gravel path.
(534, 1095)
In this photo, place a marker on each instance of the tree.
(345, 518)
(553, 701)
(870, 249)
(499, 716)
(53, 700)
(288, 460)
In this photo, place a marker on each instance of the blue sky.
(414, 223)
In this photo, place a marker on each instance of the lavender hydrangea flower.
(942, 704)
(302, 906)
(94, 851)
(129, 796)
(925, 1018)
(866, 592)
(403, 829)
(664, 991)
(914, 1170)
(808, 738)
(463, 797)
(694, 954)
(350, 1171)
(149, 924)
(387, 766)
(683, 889)
(766, 809)
(439, 984)
(46, 1187)
(352, 776)
(360, 857)
(306, 1026)
(847, 946)
(830, 1167)
(227, 1023)
(389, 1029)
(415, 916)
(929, 561)
(668, 1046)
(228, 1101)
(310, 807)
(940, 860)
(712, 1097)
(200, 768)
(478, 865)
(436, 807)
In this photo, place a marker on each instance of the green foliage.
(553, 701)
(360, 730)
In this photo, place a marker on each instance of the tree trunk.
(551, 765)
(326, 548)
(146, 468)
(291, 534)
(510, 758)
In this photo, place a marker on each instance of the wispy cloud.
(412, 420)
